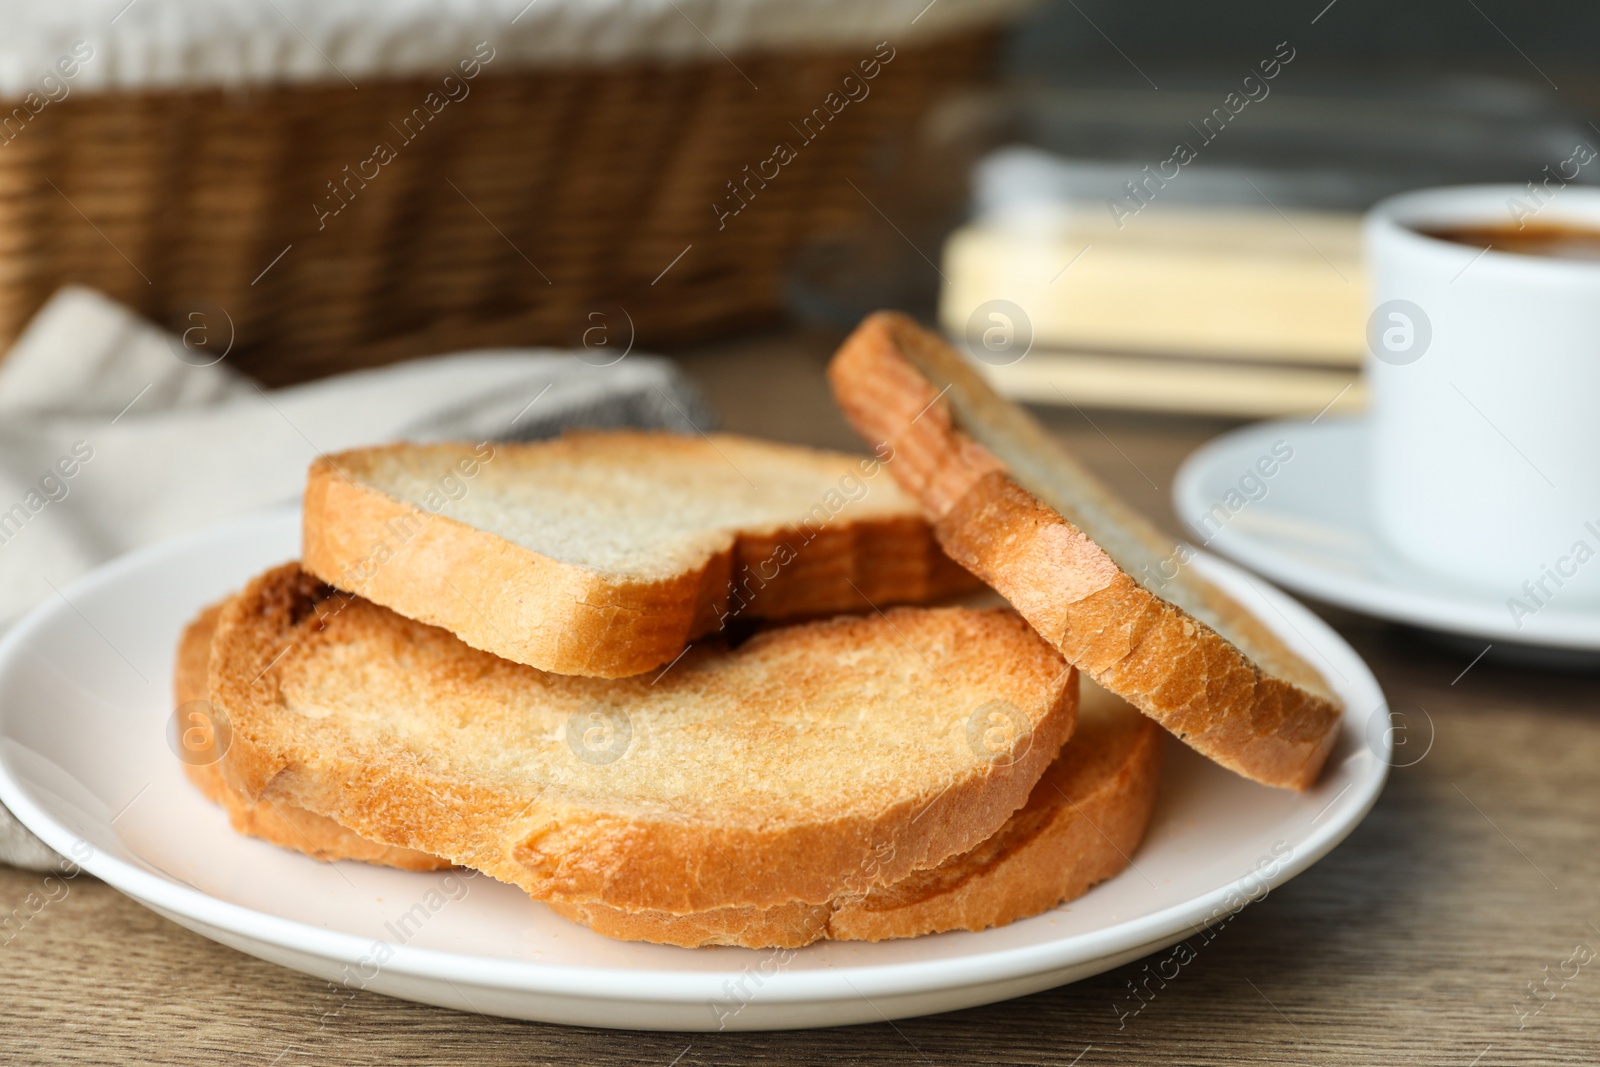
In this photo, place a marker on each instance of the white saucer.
(1313, 532)
(84, 762)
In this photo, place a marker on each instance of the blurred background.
(1227, 278)
(1162, 197)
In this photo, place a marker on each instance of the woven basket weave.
(518, 211)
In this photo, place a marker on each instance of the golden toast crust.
(682, 834)
(829, 553)
(1082, 822)
(272, 821)
(1267, 715)
(1080, 826)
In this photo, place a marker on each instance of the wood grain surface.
(1415, 942)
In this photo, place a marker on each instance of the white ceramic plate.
(84, 762)
(1313, 532)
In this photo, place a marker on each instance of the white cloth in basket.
(136, 44)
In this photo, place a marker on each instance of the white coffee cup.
(1484, 376)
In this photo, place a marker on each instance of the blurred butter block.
(1221, 290)
(1236, 283)
(1200, 387)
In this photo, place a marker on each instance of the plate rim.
(1467, 613)
(676, 987)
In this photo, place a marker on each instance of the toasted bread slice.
(278, 823)
(1097, 579)
(604, 554)
(1081, 824)
(769, 773)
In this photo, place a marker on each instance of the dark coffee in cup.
(1482, 435)
(1555, 239)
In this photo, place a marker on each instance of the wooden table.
(1414, 943)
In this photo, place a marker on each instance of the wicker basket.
(542, 196)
